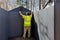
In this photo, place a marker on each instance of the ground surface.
(20, 38)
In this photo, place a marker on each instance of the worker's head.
(28, 13)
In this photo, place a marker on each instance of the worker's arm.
(21, 13)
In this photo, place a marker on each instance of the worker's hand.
(31, 12)
(20, 12)
(27, 12)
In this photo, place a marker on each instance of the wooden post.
(43, 3)
(27, 4)
(39, 4)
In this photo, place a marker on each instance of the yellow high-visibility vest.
(27, 20)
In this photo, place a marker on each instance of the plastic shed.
(16, 23)
(3, 24)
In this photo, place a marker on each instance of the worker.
(27, 23)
